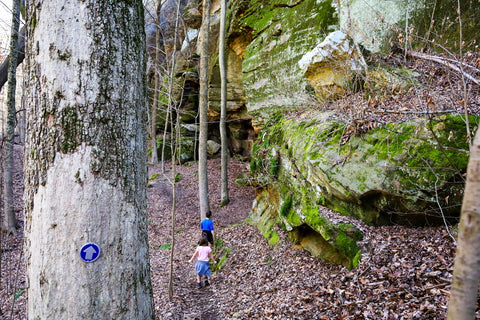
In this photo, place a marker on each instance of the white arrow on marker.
(89, 252)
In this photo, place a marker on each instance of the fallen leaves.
(405, 273)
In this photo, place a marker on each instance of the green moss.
(33, 20)
(269, 23)
(274, 167)
(286, 207)
(293, 219)
(221, 253)
(356, 259)
(77, 177)
(273, 238)
(347, 243)
(391, 168)
(255, 165)
(69, 123)
(59, 95)
(63, 56)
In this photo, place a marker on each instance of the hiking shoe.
(206, 282)
(199, 285)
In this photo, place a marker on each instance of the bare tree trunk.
(156, 89)
(85, 161)
(203, 110)
(174, 146)
(466, 272)
(464, 82)
(165, 130)
(10, 224)
(223, 109)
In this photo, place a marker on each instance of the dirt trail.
(195, 303)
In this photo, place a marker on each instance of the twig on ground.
(444, 62)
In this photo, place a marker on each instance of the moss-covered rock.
(400, 172)
(281, 33)
(186, 149)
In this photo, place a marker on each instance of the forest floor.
(404, 273)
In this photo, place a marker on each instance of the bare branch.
(444, 62)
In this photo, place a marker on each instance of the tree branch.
(21, 56)
(444, 62)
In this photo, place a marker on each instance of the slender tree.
(85, 161)
(156, 89)
(203, 111)
(466, 272)
(165, 130)
(174, 129)
(223, 110)
(10, 221)
(173, 147)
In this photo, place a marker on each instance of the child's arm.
(193, 257)
(211, 257)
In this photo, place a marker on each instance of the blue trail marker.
(90, 252)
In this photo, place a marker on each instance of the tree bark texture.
(85, 160)
(203, 110)
(10, 223)
(466, 272)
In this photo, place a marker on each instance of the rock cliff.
(289, 65)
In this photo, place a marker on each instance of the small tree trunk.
(156, 89)
(174, 129)
(203, 110)
(174, 210)
(466, 272)
(10, 220)
(153, 130)
(165, 130)
(223, 110)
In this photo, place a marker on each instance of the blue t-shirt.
(206, 225)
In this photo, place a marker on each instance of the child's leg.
(207, 283)
(199, 281)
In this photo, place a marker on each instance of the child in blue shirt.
(206, 225)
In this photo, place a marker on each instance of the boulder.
(212, 147)
(330, 66)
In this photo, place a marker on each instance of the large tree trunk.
(223, 110)
(203, 110)
(10, 223)
(466, 272)
(85, 161)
